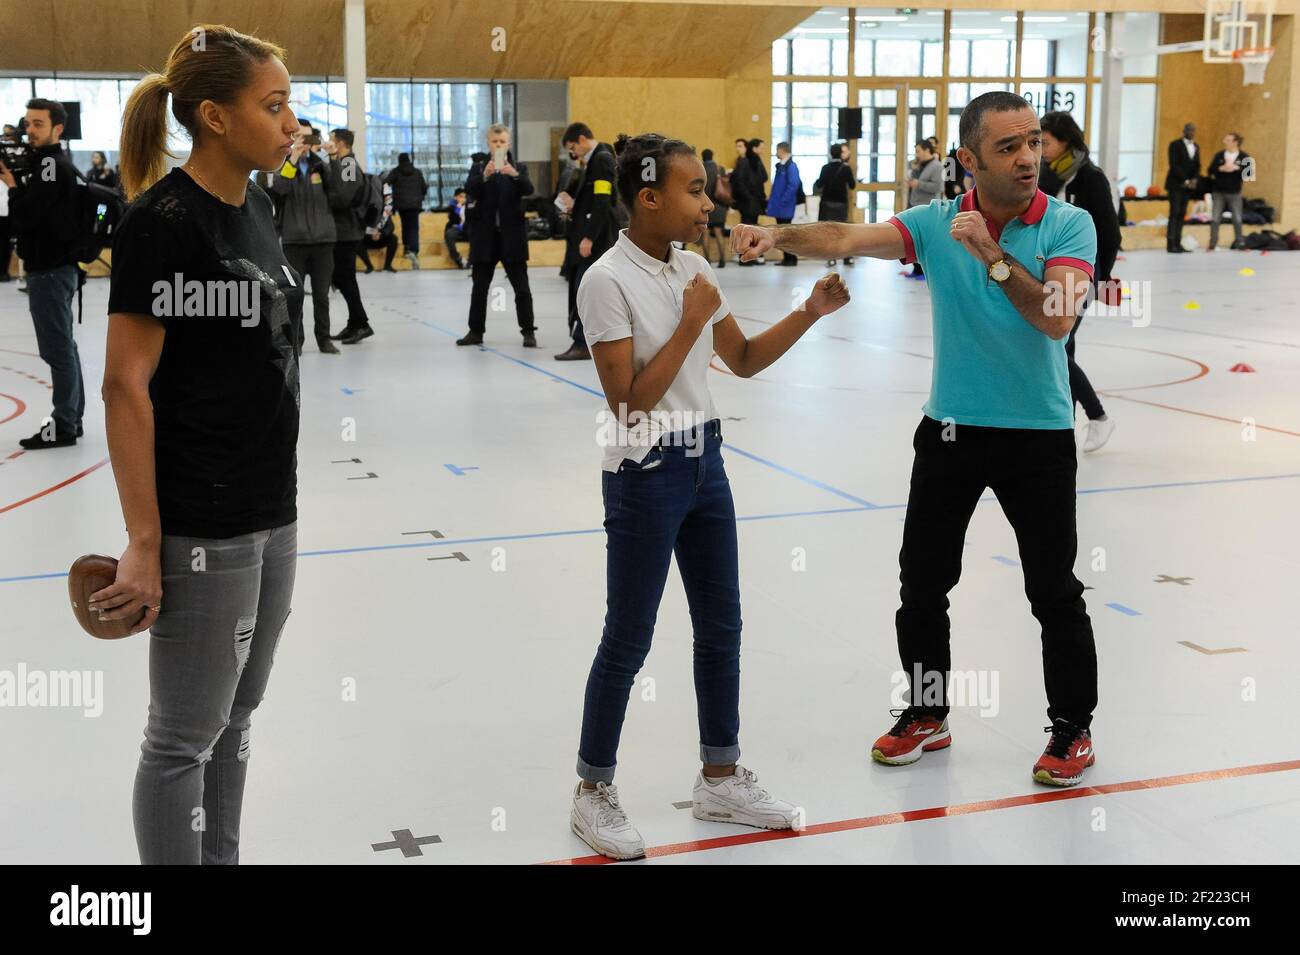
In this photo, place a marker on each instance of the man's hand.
(509, 170)
(911, 183)
(567, 200)
(584, 248)
(700, 299)
(751, 241)
(7, 176)
(970, 229)
(490, 169)
(297, 153)
(828, 294)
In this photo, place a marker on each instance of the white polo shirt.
(627, 293)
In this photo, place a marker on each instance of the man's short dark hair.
(971, 127)
(783, 145)
(836, 148)
(706, 156)
(574, 131)
(345, 136)
(58, 115)
(460, 192)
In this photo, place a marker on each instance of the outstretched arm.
(746, 357)
(830, 240)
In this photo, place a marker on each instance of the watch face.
(1000, 271)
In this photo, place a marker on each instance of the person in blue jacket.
(786, 188)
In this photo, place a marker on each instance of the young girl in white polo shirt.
(653, 318)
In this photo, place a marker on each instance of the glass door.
(881, 157)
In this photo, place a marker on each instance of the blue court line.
(1124, 610)
(1006, 560)
(754, 517)
(821, 485)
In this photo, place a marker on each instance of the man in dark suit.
(592, 231)
(1181, 183)
(496, 189)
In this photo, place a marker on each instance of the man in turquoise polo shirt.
(1008, 269)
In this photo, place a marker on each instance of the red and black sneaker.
(914, 733)
(1069, 752)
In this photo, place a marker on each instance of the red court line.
(939, 812)
(1201, 414)
(1204, 369)
(19, 407)
(54, 487)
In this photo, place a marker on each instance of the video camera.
(17, 157)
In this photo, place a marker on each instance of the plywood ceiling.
(543, 39)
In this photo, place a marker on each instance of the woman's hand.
(138, 586)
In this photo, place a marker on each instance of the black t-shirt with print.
(225, 393)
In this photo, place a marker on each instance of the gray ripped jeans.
(224, 606)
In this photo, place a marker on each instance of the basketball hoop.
(1254, 61)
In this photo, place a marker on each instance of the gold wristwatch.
(999, 271)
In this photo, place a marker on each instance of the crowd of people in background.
(319, 190)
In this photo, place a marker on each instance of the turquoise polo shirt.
(992, 368)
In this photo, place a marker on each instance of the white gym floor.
(469, 651)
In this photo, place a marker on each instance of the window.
(1055, 44)
(819, 46)
(891, 42)
(1136, 137)
(983, 43)
(809, 124)
(439, 124)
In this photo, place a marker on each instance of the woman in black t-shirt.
(201, 401)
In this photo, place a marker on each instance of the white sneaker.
(1099, 432)
(414, 260)
(601, 823)
(739, 798)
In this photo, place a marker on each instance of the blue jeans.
(49, 296)
(224, 606)
(677, 500)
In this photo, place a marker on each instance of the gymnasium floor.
(452, 575)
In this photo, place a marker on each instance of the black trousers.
(317, 262)
(1032, 473)
(1081, 390)
(345, 280)
(450, 235)
(576, 272)
(788, 256)
(410, 229)
(1177, 209)
(386, 242)
(6, 239)
(516, 272)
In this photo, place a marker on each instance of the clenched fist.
(830, 293)
(700, 299)
(751, 241)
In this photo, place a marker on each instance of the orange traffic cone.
(1241, 366)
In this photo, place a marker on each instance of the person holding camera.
(42, 213)
(307, 230)
(496, 190)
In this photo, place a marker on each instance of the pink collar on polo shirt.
(1031, 216)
